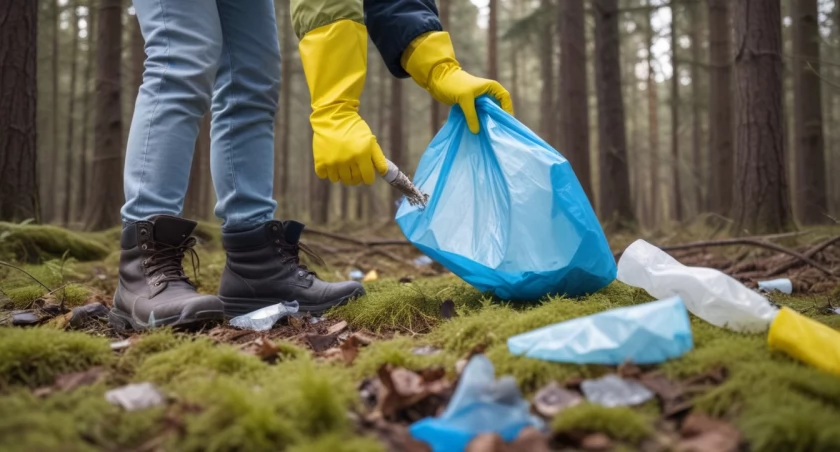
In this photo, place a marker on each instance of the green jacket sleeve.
(308, 15)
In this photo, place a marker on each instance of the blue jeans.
(200, 54)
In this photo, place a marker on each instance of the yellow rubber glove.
(430, 60)
(805, 339)
(335, 65)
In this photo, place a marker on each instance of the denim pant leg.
(244, 105)
(183, 48)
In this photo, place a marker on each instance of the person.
(224, 55)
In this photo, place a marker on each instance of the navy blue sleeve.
(393, 24)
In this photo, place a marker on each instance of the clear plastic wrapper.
(138, 396)
(613, 391)
(265, 318)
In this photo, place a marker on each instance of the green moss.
(32, 243)
(73, 295)
(36, 356)
(398, 352)
(621, 424)
(338, 443)
(409, 307)
(198, 357)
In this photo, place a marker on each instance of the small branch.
(6, 264)
(359, 242)
(810, 253)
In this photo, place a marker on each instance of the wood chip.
(338, 328)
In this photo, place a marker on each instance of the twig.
(810, 253)
(359, 242)
(6, 264)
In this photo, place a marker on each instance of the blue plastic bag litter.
(480, 404)
(506, 212)
(643, 334)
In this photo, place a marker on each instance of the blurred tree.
(676, 199)
(721, 133)
(71, 113)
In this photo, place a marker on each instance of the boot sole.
(122, 321)
(240, 306)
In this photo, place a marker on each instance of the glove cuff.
(427, 52)
(334, 59)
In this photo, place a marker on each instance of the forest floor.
(355, 379)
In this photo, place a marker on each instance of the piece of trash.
(482, 189)
(89, 311)
(337, 328)
(783, 285)
(121, 345)
(423, 261)
(25, 318)
(707, 293)
(553, 398)
(400, 388)
(643, 334)
(447, 309)
(612, 391)
(136, 396)
(807, 340)
(265, 318)
(315, 320)
(356, 275)
(480, 404)
(703, 434)
(426, 350)
(370, 276)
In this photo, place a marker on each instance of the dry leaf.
(486, 442)
(629, 370)
(320, 342)
(529, 440)
(350, 349)
(704, 434)
(596, 442)
(552, 399)
(401, 388)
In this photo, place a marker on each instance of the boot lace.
(291, 256)
(165, 264)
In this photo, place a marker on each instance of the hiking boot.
(154, 290)
(263, 269)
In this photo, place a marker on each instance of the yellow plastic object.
(335, 65)
(430, 60)
(807, 340)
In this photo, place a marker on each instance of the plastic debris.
(643, 334)
(89, 311)
(423, 261)
(25, 318)
(356, 275)
(371, 276)
(553, 398)
(612, 391)
(265, 318)
(480, 404)
(783, 285)
(806, 339)
(121, 345)
(506, 212)
(707, 293)
(425, 350)
(135, 397)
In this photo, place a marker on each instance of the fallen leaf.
(296, 322)
(629, 370)
(552, 399)
(401, 388)
(671, 394)
(337, 328)
(486, 442)
(361, 338)
(529, 440)
(263, 348)
(447, 309)
(371, 276)
(596, 441)
(320, 342)
(704, 434)
(350, 349)
(397, 437)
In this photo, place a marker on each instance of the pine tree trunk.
(104, 207)
(547, 124)
(71, 110)
(721, 133)
(18, 76)
(761, 203)
(138, 56)
(677, 210)
(574, 101)
(809, 148)
(653, 128)
(696, 157)
(396, 142)
(614, 183)
(51, 211)
(84, 153)
(493, 41)
(282, 190)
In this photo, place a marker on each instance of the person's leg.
(183, 46)
(263, 266)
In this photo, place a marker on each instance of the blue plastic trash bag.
(480, 404)
(506, 212)
(643, 334)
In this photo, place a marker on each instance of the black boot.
(263, 269)
(154, 290)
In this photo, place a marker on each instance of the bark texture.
(721, 132)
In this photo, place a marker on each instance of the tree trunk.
(374, 202)
(196, 204)
(138, 57)
(653, 127)
(18, 90)
(396, 142)
(675, 121)
(493, 40)
(283, 189)
(696, 158)
(809, 151)
(761, 203)
(104, 206)
(614, 184)
(438, 112)
(51, 211)
(71, 110)
(547, 124)
(721, 135)
(574, 101)
(84, 161)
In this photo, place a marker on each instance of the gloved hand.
(335, 65)
(430, 60)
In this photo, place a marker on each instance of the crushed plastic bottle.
(265, 318)
(135, 397)
(480, 404)
(356, 275)
(783, 285)
(707, 293)
(612, 391)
